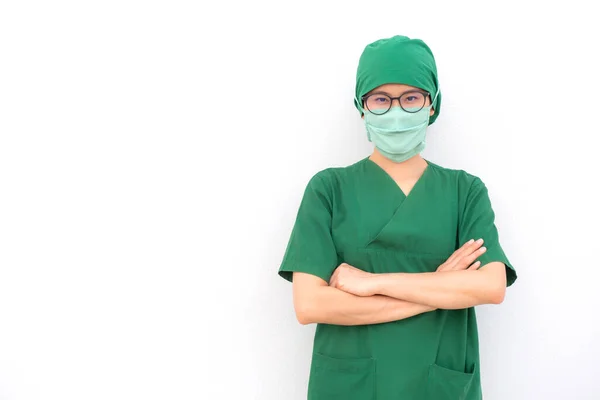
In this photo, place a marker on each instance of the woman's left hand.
(353, 280)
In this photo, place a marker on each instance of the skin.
(355, 297)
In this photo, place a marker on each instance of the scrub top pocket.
(341, 379)
(447, 384)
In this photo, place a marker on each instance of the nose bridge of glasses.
(398, 99)
(402, 102)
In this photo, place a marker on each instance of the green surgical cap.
(398, 59)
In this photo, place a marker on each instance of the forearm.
(329, 305)
(446, 290)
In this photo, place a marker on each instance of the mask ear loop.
(434, 98)
(360, 106)
(363, 113)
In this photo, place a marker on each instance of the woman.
(390, 255)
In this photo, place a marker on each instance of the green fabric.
(359, 215)
(398, 59)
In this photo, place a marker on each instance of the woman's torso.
(375, 227)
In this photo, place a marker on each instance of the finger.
(443, 267)
(348, 267)
(466, 261)
(476, 244)
(336, 273)
(469, 248)
(459, 251)
(333, 278)
(475, 265)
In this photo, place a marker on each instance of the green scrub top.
(360, 216)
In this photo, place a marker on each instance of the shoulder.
(463, 180)
(333, 177)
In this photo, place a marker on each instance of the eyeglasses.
(380, 103)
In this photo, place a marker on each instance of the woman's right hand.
(464, 258)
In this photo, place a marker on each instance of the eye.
(413, 99)
(380, 99)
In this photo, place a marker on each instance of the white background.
(153, 156)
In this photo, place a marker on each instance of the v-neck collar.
(389, 177)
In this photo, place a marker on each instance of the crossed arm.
(356, 297)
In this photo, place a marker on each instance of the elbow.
(495, 283)
(496, 295)
(303, 317)
(304, 313)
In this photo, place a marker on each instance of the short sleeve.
(311, 248)
(477, 221)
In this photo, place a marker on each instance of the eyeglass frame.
(423, 92)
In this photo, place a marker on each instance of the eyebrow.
(408, 91)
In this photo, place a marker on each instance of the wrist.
(378, 284)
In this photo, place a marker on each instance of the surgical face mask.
(398, 134)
